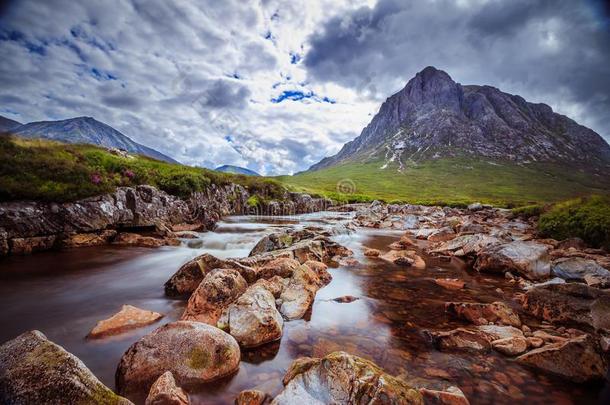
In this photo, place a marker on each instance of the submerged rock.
(253, 319)
(250, 397)
(218, 289)
(341, 378)
(129, 317)
(577, 359)
(35, 370)
(165, 392)
(450, 283)
(194, 352)
(529, 259)
(482, 314)
(461, 340)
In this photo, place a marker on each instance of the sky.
(276, 85)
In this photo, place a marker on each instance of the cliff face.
(434, 117)
(27, 226)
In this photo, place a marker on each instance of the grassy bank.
(52, 171)
(455, 181)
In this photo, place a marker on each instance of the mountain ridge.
(434, 117)
(86, 130)
(236, 170)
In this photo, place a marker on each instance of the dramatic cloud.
(551, 51)
(276, 85)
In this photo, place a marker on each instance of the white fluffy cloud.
(234, 82)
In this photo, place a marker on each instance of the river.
(64, 293)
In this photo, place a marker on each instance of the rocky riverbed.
(367, 303)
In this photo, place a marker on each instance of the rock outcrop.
(194, 353)
(35, 370)
(529, 259)
(341, 378)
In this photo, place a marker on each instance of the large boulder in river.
(191, 274)
(299, 294)
(341, 378)
(467, 244)
(529, 259)
(219, 288)
(194, 352)
(576, 268)
(34, 370)
(570, 303)
(253, 319)
(577, 359)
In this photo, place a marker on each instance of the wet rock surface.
(129, 317)
(194, 353)
(165, 392)
(343, 378)
(35, 370)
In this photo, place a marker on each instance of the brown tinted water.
(64, 294)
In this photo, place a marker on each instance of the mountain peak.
(434, 117)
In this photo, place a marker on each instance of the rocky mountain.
(435, 117)
(236, 170)
(7, 124)
(86, 130)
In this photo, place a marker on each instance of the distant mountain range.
(433, 117)
(80, 130)
(236, 170)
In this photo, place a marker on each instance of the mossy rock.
(37, 371)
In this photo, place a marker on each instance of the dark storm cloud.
(557, 52)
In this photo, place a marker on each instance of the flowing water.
(63, 294)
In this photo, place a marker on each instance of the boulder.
(482, 314)
(219, 288)
(129, 317)
(191, 274)
(298, 295)
(460, 340)
(282, 267)
(193, 351)
(321, 271)
(89, 239)
(577, 268)
(165, 392)
(496, 332)
(442, 235)
(577, 359)
(341, 378)
(253, 319)
(406, 258)
(134, 239)
(570, 303)
(450, 283)
(529, 259)
(475, 207)
(450, 396)
(251, 397)
(37, 371)
(511, 346)
(371, 252)
(467, 244)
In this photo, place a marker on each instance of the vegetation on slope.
(52, 171)
(587, 218)
(455, 181)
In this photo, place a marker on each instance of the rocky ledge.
(137, 216)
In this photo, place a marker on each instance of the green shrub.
(528, 211)
(587, 218)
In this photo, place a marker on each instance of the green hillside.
(454, 181)
(52, 171)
